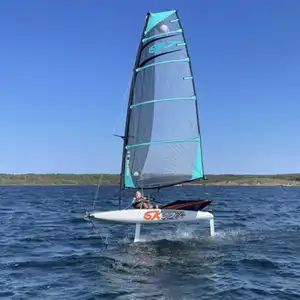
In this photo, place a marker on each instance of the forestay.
(162, 145)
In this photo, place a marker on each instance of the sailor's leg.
(212, 226)
(137, 232)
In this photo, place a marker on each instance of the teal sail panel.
(198, 170)
(155, 18)
(162, 145)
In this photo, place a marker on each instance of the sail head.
(162, 145)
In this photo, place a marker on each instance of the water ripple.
(51, 252)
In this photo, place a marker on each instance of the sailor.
(141, 202)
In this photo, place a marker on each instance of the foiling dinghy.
(161, 143)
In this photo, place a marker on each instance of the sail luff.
(125, 139)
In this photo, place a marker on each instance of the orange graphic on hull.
(152, 215)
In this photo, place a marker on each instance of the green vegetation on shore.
(94, 179)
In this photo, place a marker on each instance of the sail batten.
(164, 34)
(186, 59)
(163, 142)
(162, 145)
(162, 100)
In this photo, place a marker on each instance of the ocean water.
(49, 251)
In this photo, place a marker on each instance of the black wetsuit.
(137, 203)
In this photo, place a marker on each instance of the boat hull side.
(151, 216)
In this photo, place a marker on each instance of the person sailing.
(141, 202)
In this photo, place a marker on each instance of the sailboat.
(162, 142)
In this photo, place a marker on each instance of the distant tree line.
(95, 179)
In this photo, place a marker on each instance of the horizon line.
(216, 174)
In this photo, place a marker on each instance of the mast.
(125, 138)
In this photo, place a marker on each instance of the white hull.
(151, 216)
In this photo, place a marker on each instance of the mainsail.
(162, 143)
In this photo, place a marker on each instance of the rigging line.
(104, 240)
(88, 218)
(99, 234)
(97, 192)
(123, 101)
(141, 175)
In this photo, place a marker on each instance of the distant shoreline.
(106, 179)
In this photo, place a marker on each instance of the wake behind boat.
(162, 142)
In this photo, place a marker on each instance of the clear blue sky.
(65, 65)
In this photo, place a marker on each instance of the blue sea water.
(49, 251)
